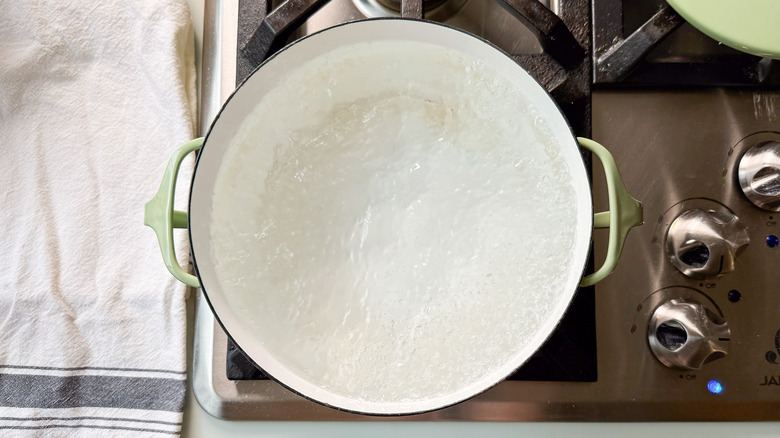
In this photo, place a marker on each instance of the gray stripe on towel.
(139, 370)
(35, 391)
(131, 420)
(66, 426)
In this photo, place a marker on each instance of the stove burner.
(435, 10)
(562, 68)
(396, 4)
(259, 39)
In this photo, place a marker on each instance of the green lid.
(752, 26)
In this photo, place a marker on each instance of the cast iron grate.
(564, 69)
(646, 43)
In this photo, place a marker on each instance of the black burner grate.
(564, 69)
(646, 43)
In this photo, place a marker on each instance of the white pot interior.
(507, 328)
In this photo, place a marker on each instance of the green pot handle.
(160, 215)
(624, 213)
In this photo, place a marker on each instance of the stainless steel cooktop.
(687, 328)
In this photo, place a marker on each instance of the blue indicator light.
(714, 387)
(772, 241)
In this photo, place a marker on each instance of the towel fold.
(94, 97)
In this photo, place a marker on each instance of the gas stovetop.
(686, 327)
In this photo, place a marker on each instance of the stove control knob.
(686, 335)
(759, 175)
(705, 243)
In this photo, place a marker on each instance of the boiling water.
(394, 224)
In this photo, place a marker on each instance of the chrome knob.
(759, 175)
(686, 335)
(705, 243)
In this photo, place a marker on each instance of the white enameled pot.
(289, 360)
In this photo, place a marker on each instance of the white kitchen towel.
(94, 97)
